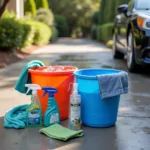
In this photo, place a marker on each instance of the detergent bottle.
(51, 115)
(75, 109)
(34, 113)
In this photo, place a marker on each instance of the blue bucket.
(95, 111)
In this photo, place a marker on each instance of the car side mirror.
(122, 8)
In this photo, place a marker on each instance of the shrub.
(55, 34)
(42, 32)
(45, 16)
(93, 32)
(104, 32)
(9, 14)
(30, 6)
(95, 18)
(42, 4)
(107, 15)
(28, 36)
(61, 25)
(110, 43)
(11, 34)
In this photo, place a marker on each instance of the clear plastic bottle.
(75, 109)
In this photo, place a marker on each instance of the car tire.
(115, 52)
(131, 63)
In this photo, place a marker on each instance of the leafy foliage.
(30, 6)
(55, 34)
(45, 16)
(108, 14)
(61, 25)
(77, 13)
(11, 34)
(104, 32)
(42, 4)
(42, 33)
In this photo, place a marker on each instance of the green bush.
(55, 34)
(104, 32)
(93, 32)
(29, 32)
(11, 34)
(61, 25)
(42, 33)
(30, 6)
(42, 4)
(9, 14)
(45, 16)
(95, 18)
(108, 10)
(110, 43)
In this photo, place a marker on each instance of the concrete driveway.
(132, 130)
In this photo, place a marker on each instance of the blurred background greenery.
(47, 20)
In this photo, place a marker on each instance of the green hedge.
(42, 33)
(29, 6)
(11, 34)
(45, 16)
(16, 33)
(104, 32)
(61, 25)
(42, 4)
(108, 10)
(93, 32)
(55, 34)
(28, 37)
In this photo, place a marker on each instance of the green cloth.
(59, 132)
(25, 76)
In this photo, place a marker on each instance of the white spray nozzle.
(75, 88)
(33, 87)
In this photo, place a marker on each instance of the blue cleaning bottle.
(51, 115)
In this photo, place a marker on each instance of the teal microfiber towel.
(59, 132)
(25, 77)
(16, 117)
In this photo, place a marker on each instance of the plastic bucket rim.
(76, 73)
(32, 70)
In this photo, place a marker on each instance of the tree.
(108, 10)
(2, 8)
(42, 4)
(30, 6)
(77, 12)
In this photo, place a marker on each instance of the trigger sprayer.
(51, 115)
(34, 113)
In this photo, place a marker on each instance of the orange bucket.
(61, 80)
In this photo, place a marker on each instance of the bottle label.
(75, 115)
(34, 116)
(54, 118)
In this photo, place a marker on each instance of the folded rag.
(113, 84)
(59, 132)
(16, 117)
(24, 76)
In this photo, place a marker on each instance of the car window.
(143, 5)
(130, 5)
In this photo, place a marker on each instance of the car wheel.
(115, 52)
(131, 63)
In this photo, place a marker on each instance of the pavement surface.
(132, 130)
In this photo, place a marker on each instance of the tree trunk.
(2, 8)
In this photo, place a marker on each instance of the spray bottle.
(34, 113)
(51, 115)
(75, 100)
